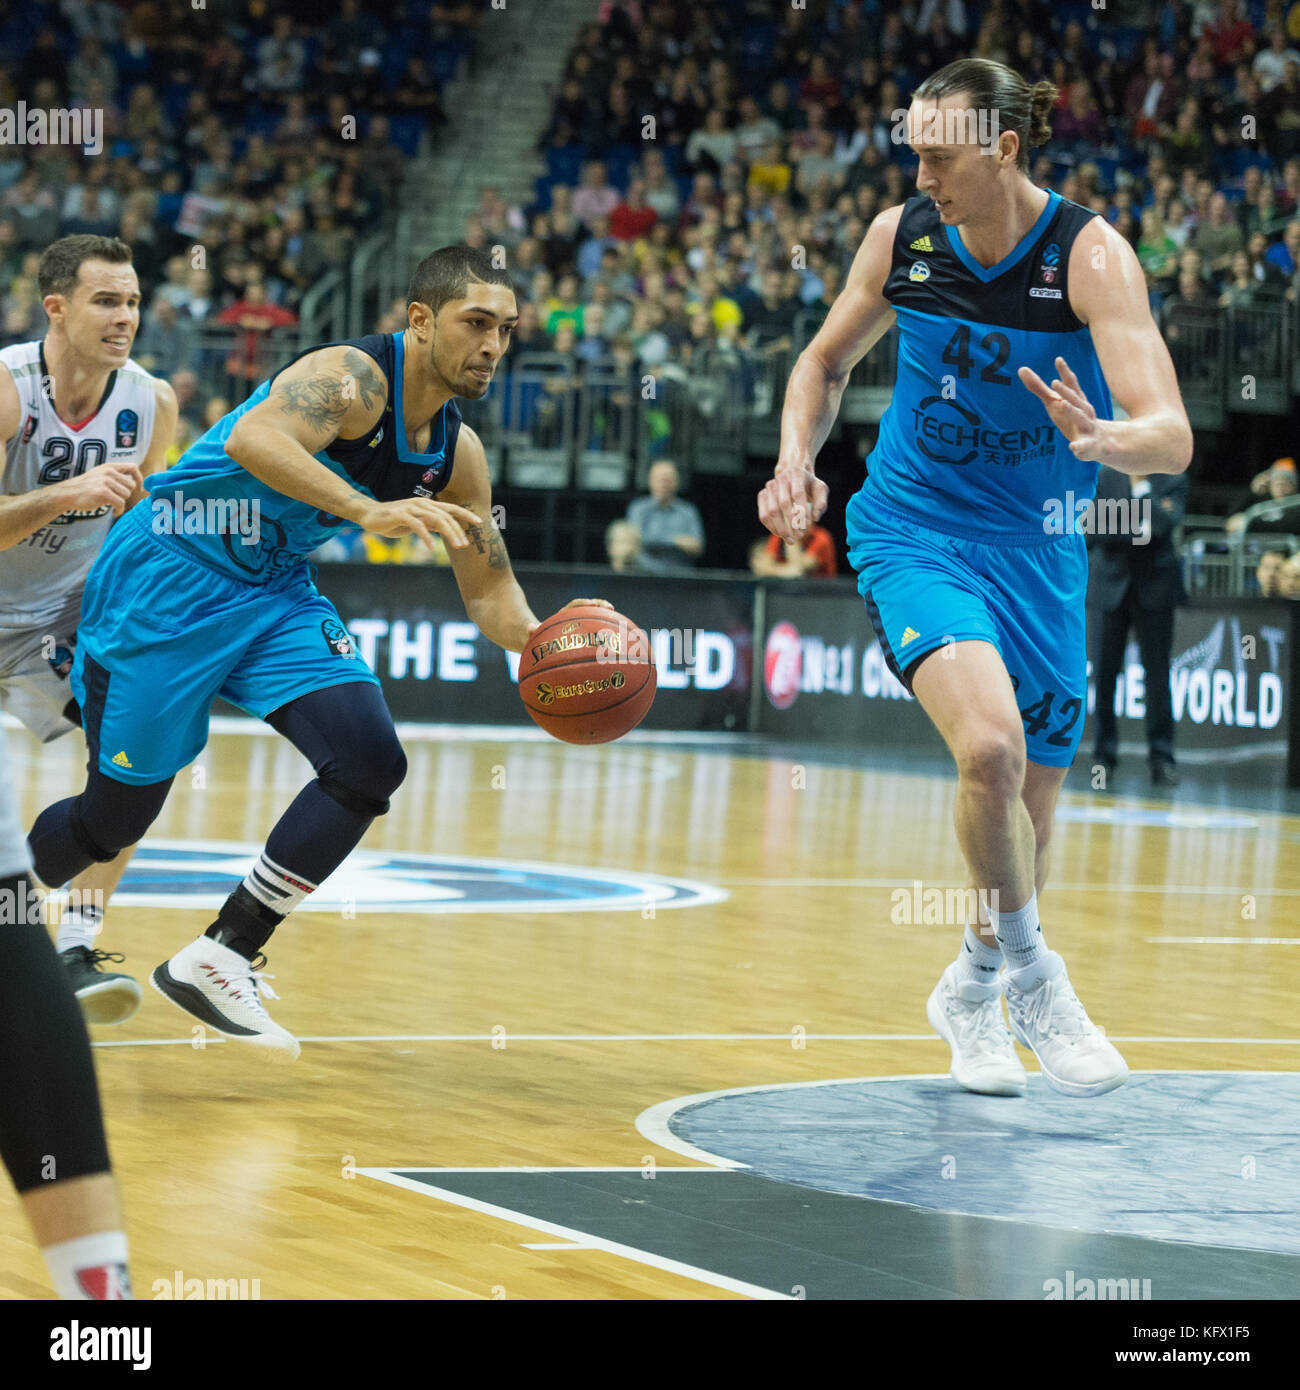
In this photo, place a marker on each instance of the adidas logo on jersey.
(121, 759)
(909, 635)
(922, 243)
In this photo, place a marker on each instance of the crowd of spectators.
(245, 148)
(713, 169)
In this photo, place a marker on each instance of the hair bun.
(1042, 102)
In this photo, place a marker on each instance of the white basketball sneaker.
(1047, 1017)
(968, 1017)
(223, 990)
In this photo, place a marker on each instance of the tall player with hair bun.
(1002, 291)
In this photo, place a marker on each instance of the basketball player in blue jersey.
(203, 590)
(998, 288)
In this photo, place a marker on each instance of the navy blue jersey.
(963, 445)
(381, 464)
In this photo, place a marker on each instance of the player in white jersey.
(81, 425)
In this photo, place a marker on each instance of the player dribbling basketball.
(985, 273)
(364, 431)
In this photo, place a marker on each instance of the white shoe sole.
(1080, 1089)
(275, 1047)
(939, 1022)
(114, 1001)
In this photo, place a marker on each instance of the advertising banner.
(1231, 677)
(409, 625)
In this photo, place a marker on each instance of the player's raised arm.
(333, 393)
(110, 484)
(1108, 293)
(858, 319)
(494, 602)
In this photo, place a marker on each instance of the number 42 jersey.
(964, 446)
(42, 575)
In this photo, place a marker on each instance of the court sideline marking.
(575, 1239)
(508, 1037)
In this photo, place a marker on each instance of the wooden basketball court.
(492, 1031)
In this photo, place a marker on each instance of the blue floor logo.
(202, 873)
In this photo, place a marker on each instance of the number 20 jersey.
(964, 445)
(42, 575)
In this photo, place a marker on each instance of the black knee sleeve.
(116, 814)
(51, 1127)
(347, 734)
(85, 840)
(359, 802)
(92, 828)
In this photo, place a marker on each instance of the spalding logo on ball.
(587, 676)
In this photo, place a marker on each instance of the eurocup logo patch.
(29, 429)
(61, 662)
(128, 423)
(919, 272)
(337, 638)
(1048, 269)
(425, 486)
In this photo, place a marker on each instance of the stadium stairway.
(497, 115)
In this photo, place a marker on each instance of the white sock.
(90, 1268)
(1020, 935)
(275, 887)
(977, 961)
(79, 926)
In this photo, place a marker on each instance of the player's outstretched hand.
(792, 500)
(1071, 412)
(109, 485)
(421, 516)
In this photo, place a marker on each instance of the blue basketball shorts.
(162, 635)
(926, 588)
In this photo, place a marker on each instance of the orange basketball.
(587, 675)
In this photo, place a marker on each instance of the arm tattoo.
(489, 540)
(365, 379)
(323, 400)
(318, 399)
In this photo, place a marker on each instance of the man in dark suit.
(1136, 581)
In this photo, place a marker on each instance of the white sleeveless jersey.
(42, 575)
